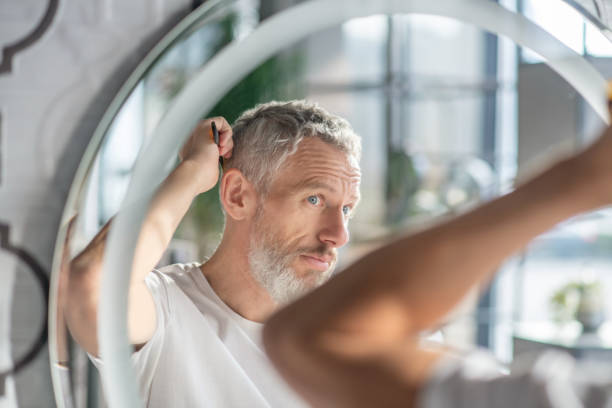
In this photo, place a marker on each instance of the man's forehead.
(314, 152)
(331, 184)
(335, 174)
(319, 164)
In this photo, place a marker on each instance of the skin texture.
(300, 227)
(353, 342)
(308, 208)
(307, 231)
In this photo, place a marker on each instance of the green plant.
(278, 78)
(575, 299)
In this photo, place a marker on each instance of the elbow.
(80, 307)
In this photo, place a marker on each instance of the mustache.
(321, 250)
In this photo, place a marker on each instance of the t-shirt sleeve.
(548, 380)
(145, 360)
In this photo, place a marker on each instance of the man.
(290, 183)
(362, 349)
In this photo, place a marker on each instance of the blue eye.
(346, 210)
(314, 200)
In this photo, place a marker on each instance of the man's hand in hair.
(201, 151)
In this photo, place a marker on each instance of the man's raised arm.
(354, 341)
(197, 172)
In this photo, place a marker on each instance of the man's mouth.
(316, 262)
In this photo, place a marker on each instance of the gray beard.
(271, 270)
(270, 261)
(270, 264)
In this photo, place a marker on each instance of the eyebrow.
(315, 185)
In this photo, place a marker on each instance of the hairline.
(301, 186)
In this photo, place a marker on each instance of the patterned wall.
(62, 62)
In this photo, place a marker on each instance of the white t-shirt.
(203, 354)
(552, 379)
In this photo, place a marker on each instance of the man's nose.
(334, 229)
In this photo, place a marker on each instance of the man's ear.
(238, 196)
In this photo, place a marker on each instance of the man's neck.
(230, 277)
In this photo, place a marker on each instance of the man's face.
(304, 219)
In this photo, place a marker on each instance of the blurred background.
(450, 116)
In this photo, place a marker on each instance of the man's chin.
(313, 278)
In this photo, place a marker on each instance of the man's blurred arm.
(354, 341)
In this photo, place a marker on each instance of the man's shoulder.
(183, 285)
(177, 268)
(171, 274)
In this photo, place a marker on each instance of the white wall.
(50, 102)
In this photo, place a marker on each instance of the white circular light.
(223, 72)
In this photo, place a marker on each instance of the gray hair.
(269, 133)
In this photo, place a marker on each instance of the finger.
(221, 123)
(226, 150)
(226, 141)
(226, 145)
(225, 138)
